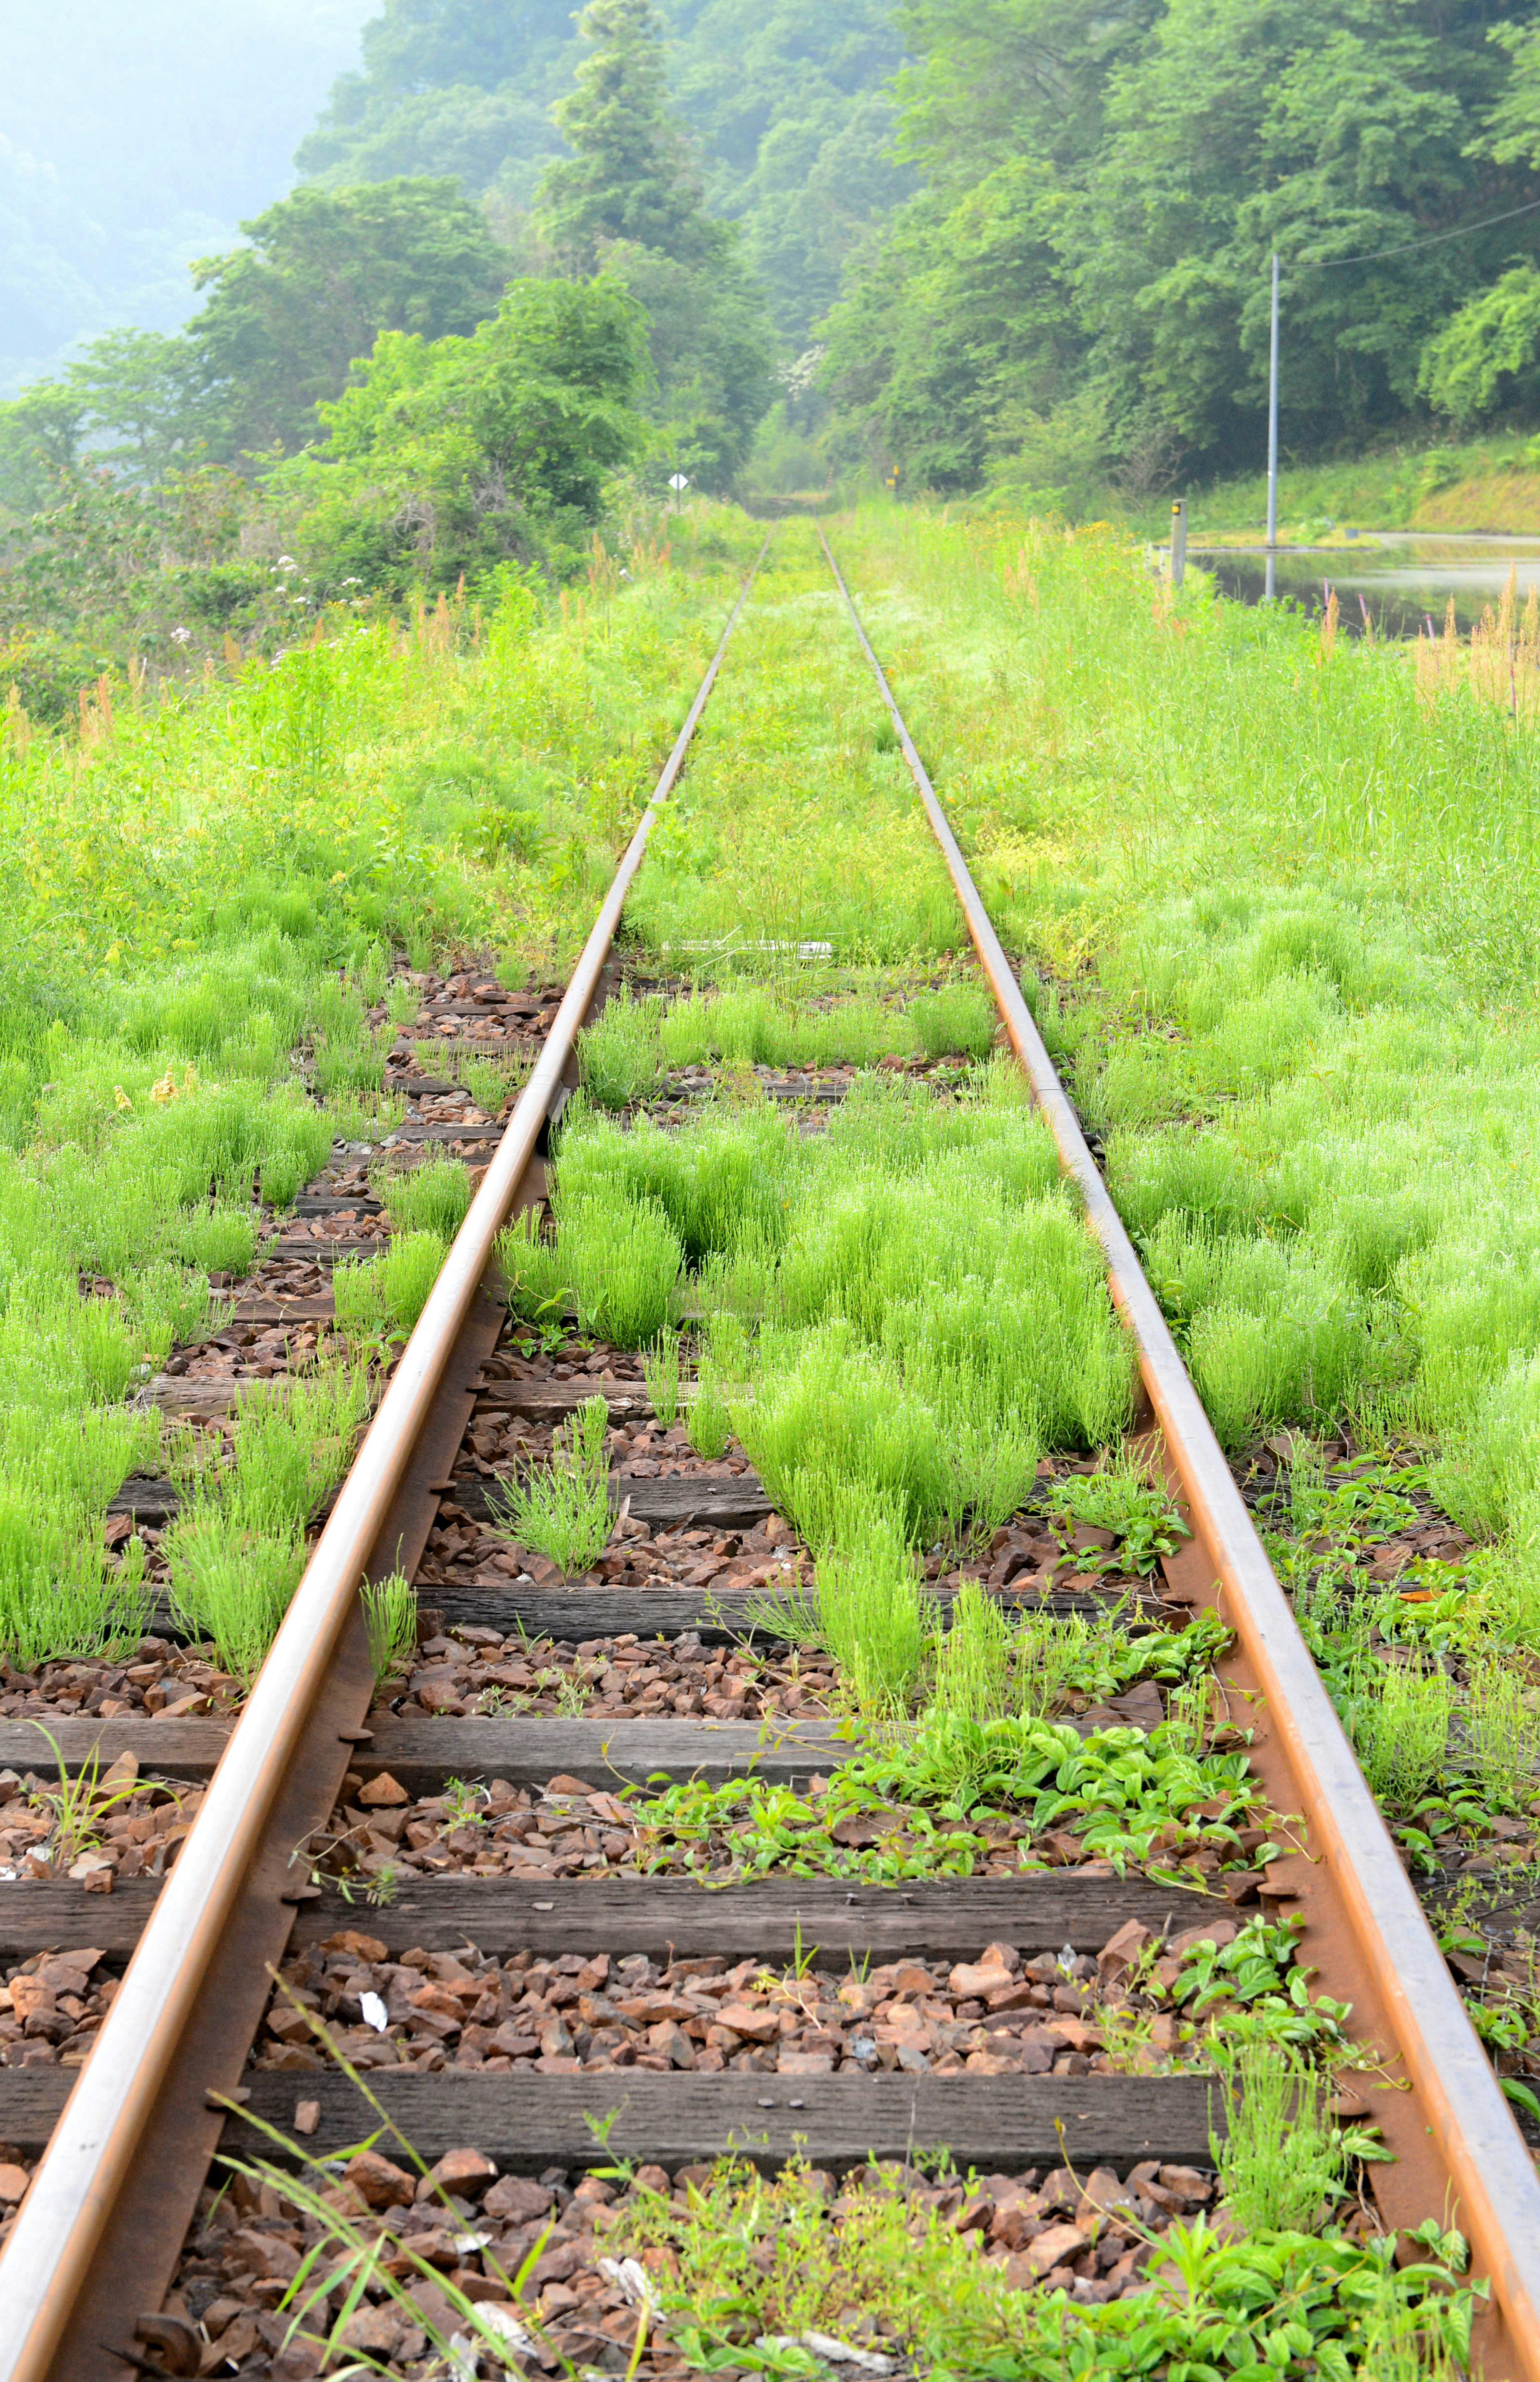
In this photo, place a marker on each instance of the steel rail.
(66, 2211)
(1490, 2166)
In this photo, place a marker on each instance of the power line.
(1435, 239)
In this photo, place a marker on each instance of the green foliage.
(324, 273)
(621, 1262)
(432, 1198)
(1280, 2158)
(660, 1370)
(562, 1509)
(237, 1549)
(1122, 1497)
(1076, 299)
(1485, 355)
(390, 1616)
(626, 199)
(620, 1052)
(379, 1299)
(535, 405)
(784, 100)
(628, 178)
(1400, 1720)
(745, 2250)
(871, 1608)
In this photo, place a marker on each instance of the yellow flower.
(165, 1089)
(120, 1099)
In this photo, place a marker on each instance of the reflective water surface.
(1402, 578)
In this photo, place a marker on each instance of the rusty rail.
(88, 2158)
(1493, 2192)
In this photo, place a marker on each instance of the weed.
(433, 1197)
(1400, 1721)
(378, 1300)
(1122, 1497)
(1281, 2160)
(621, 1262)
(77, 1805)
(708, 1422)
(660, 1370)
(562, 1510)
(960, 1019)
(1502, 1732)
(533, 1280)
(620, 1053)
(872, 1610)
(390, 1616)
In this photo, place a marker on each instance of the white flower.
(286, 562)
(181, 636)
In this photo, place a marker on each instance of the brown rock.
(1057, 2241)
(1218, 1932)
(307, 2116)
(975, 1981)
(383, 2184)
(363, 1947)
(252, 2251)
(563, 1785)
(517, 2199)
(464, 2172)
(375, 2329)
(1121, 1951)
(754, 2025)
(381, 1790)
(30, 1996)
(13, 2184)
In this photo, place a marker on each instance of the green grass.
(925, 1311)
(237, 1549)
(562, 1509)
(201, 911)
(794, 825)
(1486, 483)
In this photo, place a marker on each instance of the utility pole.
(1273, 439)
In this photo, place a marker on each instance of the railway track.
(638, 1680)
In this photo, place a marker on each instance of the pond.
(1403, 579)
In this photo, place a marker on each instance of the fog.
(134, 135)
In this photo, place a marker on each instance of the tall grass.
(201, 900)
(562, 1508)
(237, 1549)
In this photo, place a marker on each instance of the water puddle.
(1400, 582)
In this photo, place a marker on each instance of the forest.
(536, 266)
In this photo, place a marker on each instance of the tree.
(1485, 356)
(326, 272)
(451, 455)
(627, 201)
(460, 87)
(631, 174)
(1102, 192)
(784, 97)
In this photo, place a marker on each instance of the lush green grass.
(1486, 483)
(1286, 892)
(203, 894)
(796, 823)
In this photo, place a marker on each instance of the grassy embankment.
(203, 899)
(1488, 484)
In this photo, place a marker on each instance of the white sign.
(678, 480)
